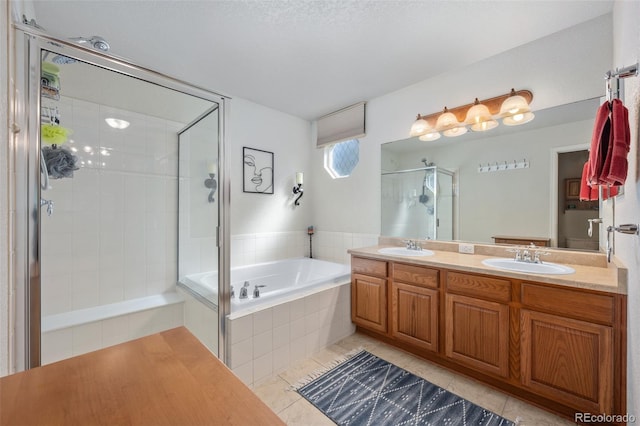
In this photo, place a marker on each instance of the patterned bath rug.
(367, 390)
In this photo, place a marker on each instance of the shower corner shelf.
(50, 92)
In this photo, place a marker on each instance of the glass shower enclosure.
(97, 223)
(418, 203)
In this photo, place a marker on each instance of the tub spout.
(243, 290)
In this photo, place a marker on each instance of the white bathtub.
(283, 280)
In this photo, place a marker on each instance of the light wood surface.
(168, 378)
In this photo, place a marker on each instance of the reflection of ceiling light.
(87, 149)
(74, 149)
(105, 152)
(116, 123)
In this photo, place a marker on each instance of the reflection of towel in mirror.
(599, 144)
(614, 170)
(60, 162)
(587, 192)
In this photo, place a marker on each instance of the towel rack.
(613, 80)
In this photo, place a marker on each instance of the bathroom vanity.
(556, 341)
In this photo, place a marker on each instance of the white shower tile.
(115, 331)
(111, 287)
(241, 353)
(241, 328)
(84, 289)
(297, 329)
(57, 345)
(245, 373)
(262, 321)
(134, 193)
(281, 336)
(281, 314)
(262, 367)
(87, 338)
(297, 309)
(262, 344)
(281, 358)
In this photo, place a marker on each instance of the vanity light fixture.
(480, 116)
(117, 123)
(515, 110)
(298, 188)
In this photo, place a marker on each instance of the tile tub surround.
(271, 340)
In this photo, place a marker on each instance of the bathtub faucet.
(256, 291)
(243, 290)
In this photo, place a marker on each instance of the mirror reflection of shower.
(430, 187)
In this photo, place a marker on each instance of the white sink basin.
(532, 268)
(401, 251)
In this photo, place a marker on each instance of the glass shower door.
(198, 215)
(107, 213)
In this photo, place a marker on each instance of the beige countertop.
(609, 278)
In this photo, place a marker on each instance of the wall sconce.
(211, 183)
(298, 188)
(513, 108)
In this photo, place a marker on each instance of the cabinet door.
(415, 315)
(477, 333)
(369, 302)
(568, 360)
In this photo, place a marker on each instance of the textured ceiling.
(306, 57)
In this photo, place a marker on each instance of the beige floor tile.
(528, 415)
(479, 394)
(357, 340)
(276, 393)
(302, 413)
(300, 370)
(430, 372)
(329, 355)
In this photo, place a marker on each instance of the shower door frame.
(25, 148)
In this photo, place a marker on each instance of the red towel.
(587, 192)
(614, 171)
(599, 144)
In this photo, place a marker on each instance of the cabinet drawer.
(418, 275)
(373, 267)
(573, 303)
(477, 286)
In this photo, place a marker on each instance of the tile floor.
(295, 410)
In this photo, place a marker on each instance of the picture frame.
(257, 171)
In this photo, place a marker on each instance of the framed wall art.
(257, 171)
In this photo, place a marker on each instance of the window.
(340, 159)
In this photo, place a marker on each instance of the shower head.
(424, 160)
(96, 42)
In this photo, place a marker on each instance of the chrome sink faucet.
(412, 245)
(528, 254)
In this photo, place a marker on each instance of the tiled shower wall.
(113, 232)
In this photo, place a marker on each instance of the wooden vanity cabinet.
(559, 347)
(414, 305)
(477, 322)
(369, 294)
(567, 346)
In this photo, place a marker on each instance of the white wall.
(255, 126)
(565, 67)
(626, 51)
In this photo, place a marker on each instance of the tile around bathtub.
(281, 314)
(262, 344)
(241, 353)
(281, 335)
(241, 328)
(262, 321)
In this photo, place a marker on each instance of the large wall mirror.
(512, 182)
